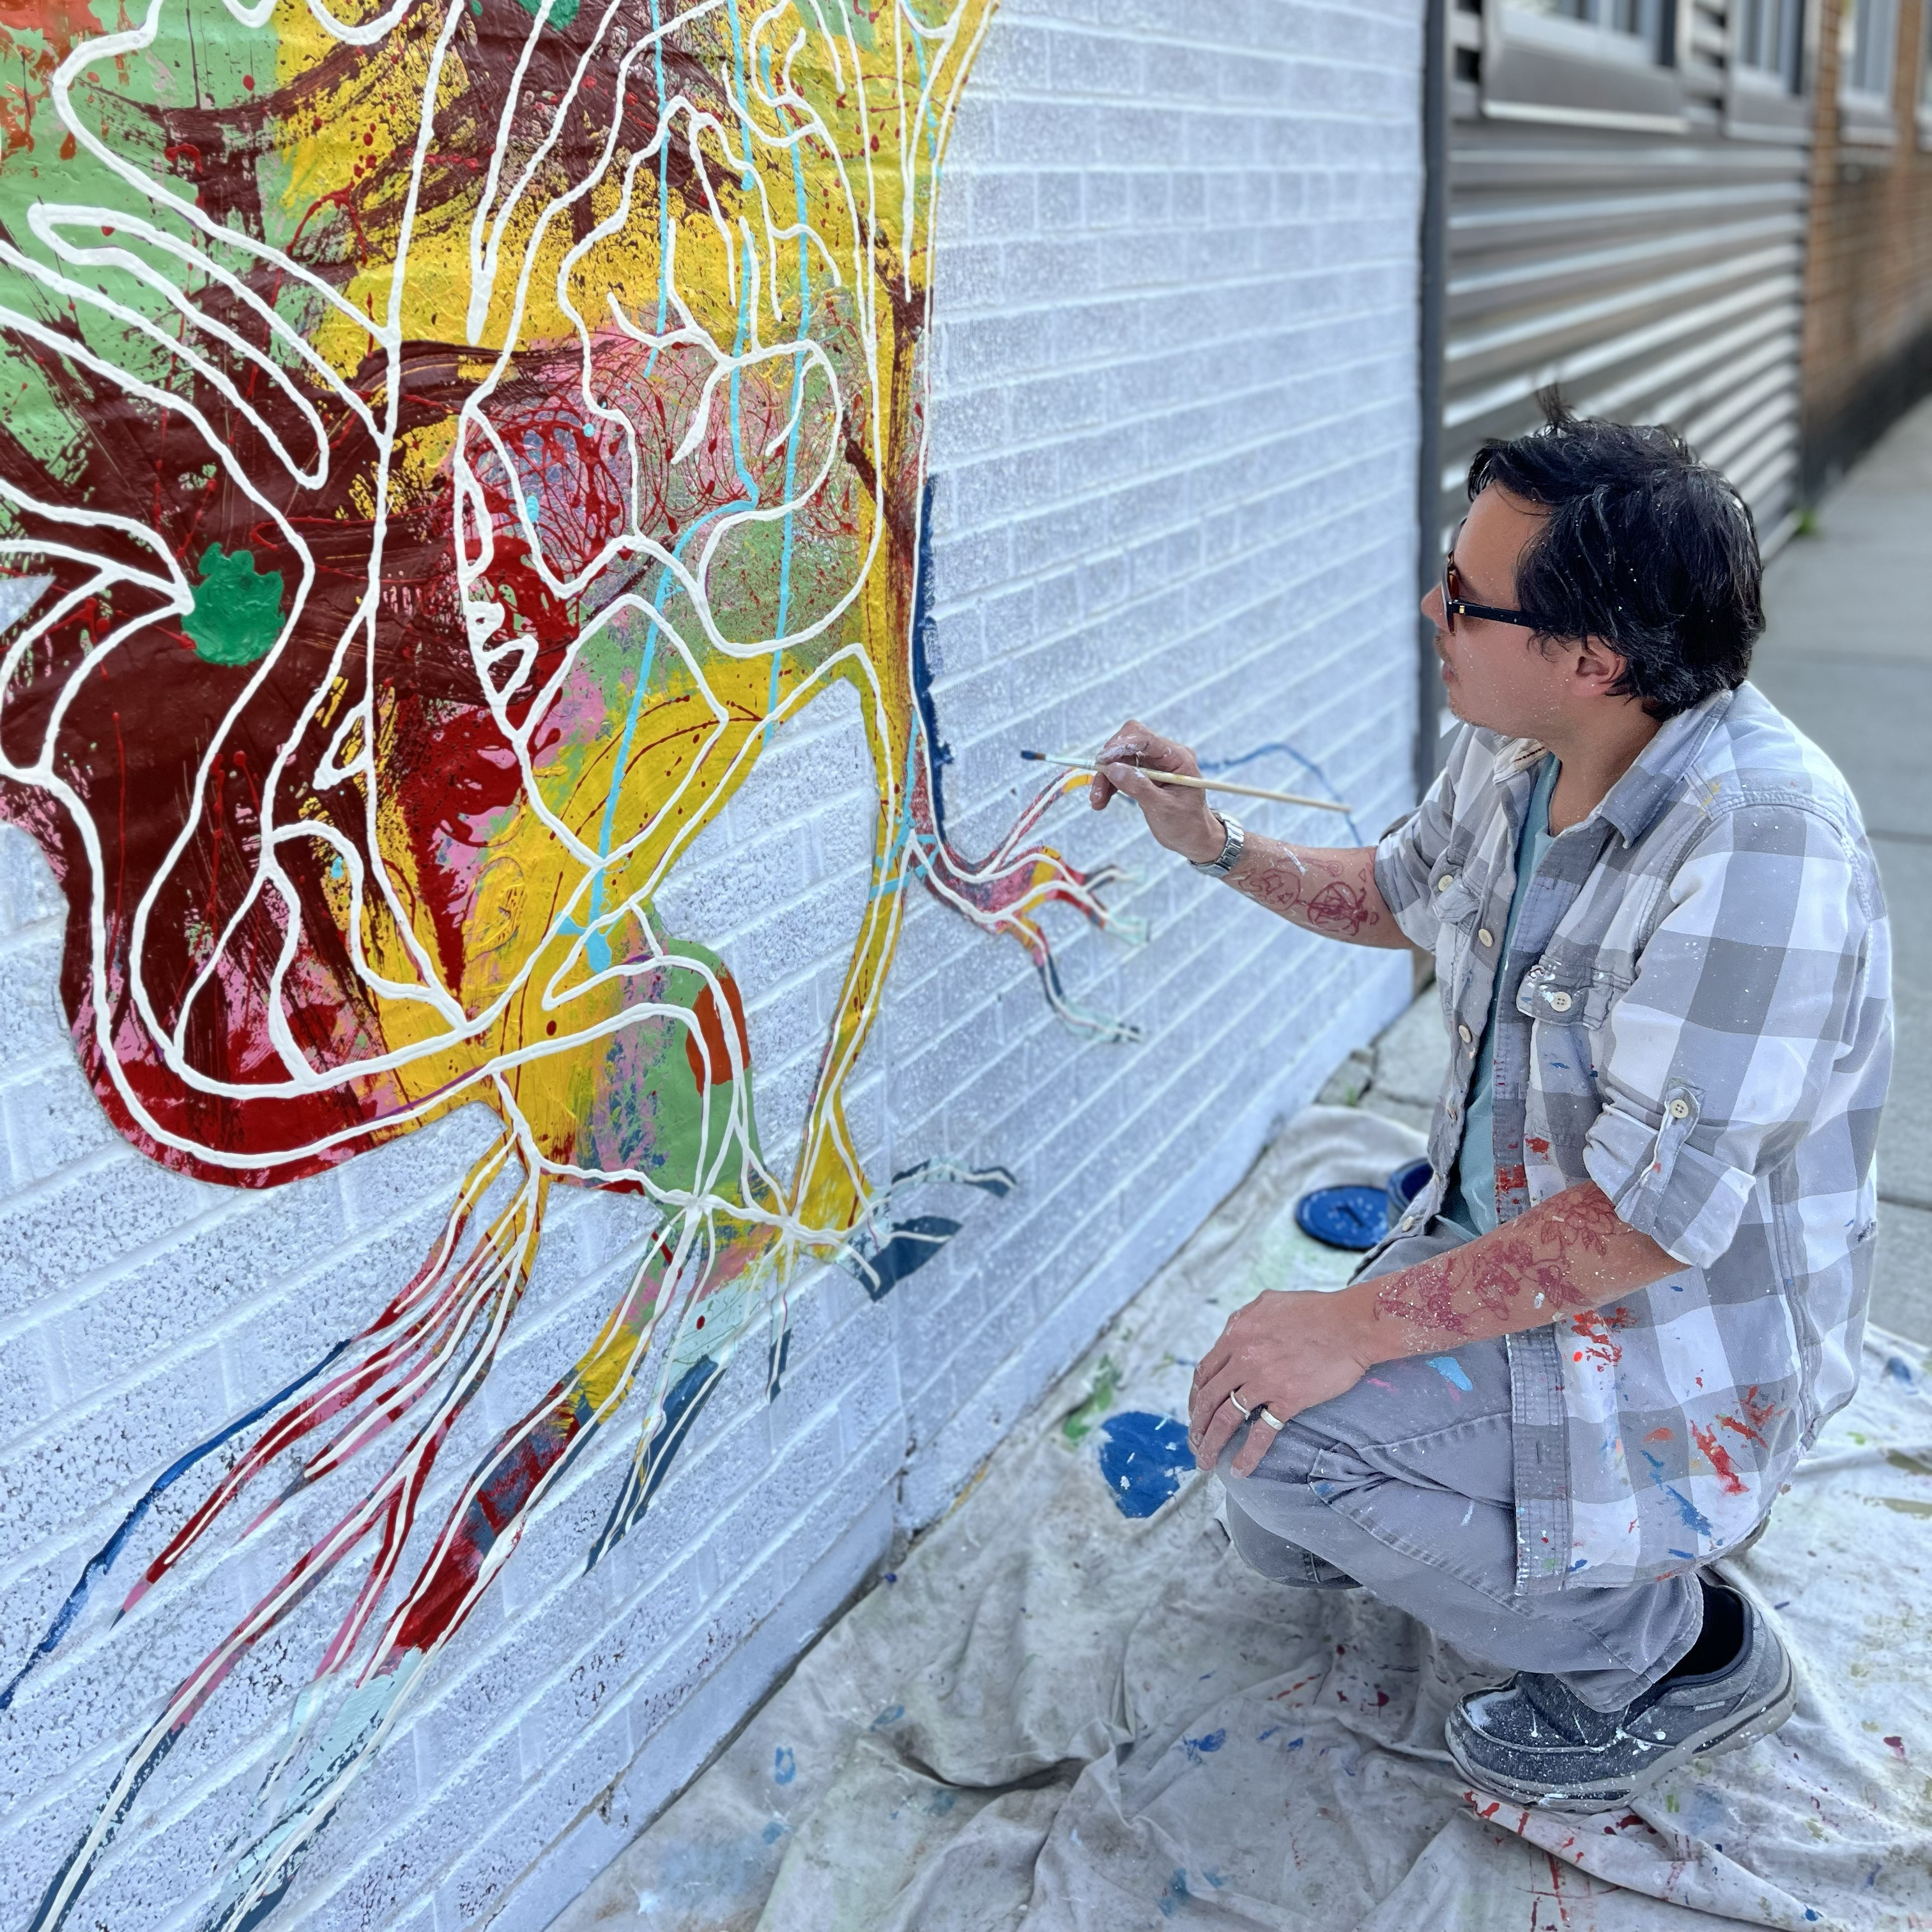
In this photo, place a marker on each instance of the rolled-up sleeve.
(1406, 859)
(1714, 1063)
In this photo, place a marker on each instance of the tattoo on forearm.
(1326, 893)
(1570, 1253)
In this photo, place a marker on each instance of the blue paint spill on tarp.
(1197, 1748)
(1143, 1458)
(1450, 1370)
(891, 1715)
(1177, 1891)
(784, 1766)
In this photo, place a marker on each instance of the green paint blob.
(1079, 1423)
(561, 15)
(237, 610)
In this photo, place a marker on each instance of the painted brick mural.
(562, 1085)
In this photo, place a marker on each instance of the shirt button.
(1465, 1034)
(1447, 880)
(1678, 1108)
(1559, 1002)
(1408, 1221)
(1487, 937)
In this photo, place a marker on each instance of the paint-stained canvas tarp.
(1073, 1708)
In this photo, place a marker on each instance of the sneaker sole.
(1728, 1734)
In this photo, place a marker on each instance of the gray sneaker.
(1534, 1742)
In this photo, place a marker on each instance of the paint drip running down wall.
(443, 441)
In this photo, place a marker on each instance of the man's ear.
(1599, 668)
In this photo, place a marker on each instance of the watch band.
(1230, 849)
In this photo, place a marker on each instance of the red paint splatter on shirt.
(1758, 1410)
(1593, 1328)
(1729, 1480)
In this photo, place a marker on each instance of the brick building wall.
(1867, 346)
(1174, 421)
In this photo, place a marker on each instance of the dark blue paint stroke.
(997, 1181)
(1143, 1458)
(938, 754)
(774, 1369)
(1278, 747)
(693, 1390)
(103, 1558)
(908, 1246)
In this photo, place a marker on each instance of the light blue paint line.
(925, 113)
(791, 447)
(1450, 1370)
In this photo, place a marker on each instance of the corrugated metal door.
(1657, 276)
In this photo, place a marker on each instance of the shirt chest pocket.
(1456, 907)
(1566, 1010)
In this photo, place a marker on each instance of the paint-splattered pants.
(1405, 1485)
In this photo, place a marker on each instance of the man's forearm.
(1331, 892)
(1570, 1253)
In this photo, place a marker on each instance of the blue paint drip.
(1143, 1458)
(938, 753)
(103, 1558)
(1450, 1370)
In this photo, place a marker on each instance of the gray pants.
(1406, 1485)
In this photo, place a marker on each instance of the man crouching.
(1634, 1287)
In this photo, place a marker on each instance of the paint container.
(1344, 1217)
(1358, 1217)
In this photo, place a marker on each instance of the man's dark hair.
(1644, 547)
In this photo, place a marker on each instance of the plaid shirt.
(1696, 1016)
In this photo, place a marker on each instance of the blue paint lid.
(1344, 1217)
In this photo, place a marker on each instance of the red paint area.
(715, 1052)
(1594, 1328)
(1719, 1457)
(1758, 1410)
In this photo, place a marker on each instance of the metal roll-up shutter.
(1658, 277)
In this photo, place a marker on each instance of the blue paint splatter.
(1143, 1458)
(1899, 1370)
(891, 1715)
(784, 1766)
(1450, 1370)
(1176, 1892)
(775, 1831)
(1197, 1748)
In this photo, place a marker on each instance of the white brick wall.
(1174, 424)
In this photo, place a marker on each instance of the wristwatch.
(1230, 849)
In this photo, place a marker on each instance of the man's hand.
(1178, 817)
(1285, 1352)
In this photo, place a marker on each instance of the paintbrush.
(1193, 783)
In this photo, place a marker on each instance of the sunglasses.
(1455, 605)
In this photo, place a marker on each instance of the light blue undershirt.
(1471, 1201)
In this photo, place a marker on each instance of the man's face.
(1498, 675)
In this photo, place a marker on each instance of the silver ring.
(1264, 1413)
(1241, 1408)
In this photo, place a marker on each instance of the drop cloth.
(1074, 1709)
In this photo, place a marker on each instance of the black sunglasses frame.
(1454, 606)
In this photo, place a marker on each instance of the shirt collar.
(1634, 801)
